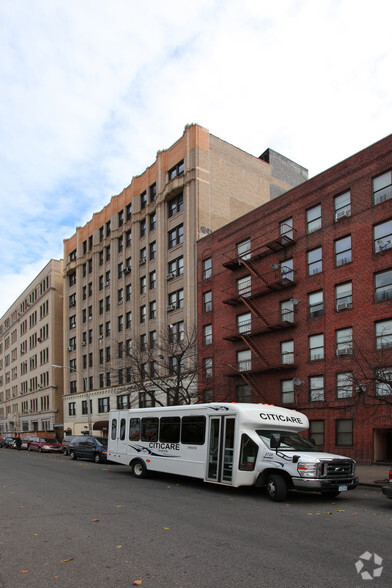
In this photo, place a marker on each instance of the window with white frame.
(313, 219)
(384, 381)
(342, 205)
(287, 391)
(207, 334)
(343, 251)
(244, 322)
(286, 270)
(244, 360)
(344, 341)
(344, 385)
(316, 388)
(383, 285)
(287, 351)
(344, 296)
(287, 310)
(316, 304)
(316, 347)
(244, 286)
(382, 236)
(382, 187)
(384, 334)
(244, 249)
(315, 261)
(207, 301)
(207, 268)
(286, 228)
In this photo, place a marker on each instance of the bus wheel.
(139, 469)
(276, 487)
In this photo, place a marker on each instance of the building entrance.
(383, 445)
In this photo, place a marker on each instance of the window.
(316, 304)
(207, 334)
(287, 310)
(153, 192)
(143, 200)
(316, 432)
(344, 341)
(344, 432)
(313, 219)
(383, 285)
(120, 218)
(176, 236)
(286, 270)
(104, 404)
(152, 250)
(143, 285)
(315, 261)
(207, 268)
(72, 279)
(384, 334)
(128, 211)
(128, 292)
(120, 296)
(120, 325)
(382, 187)
(72, 322)
(207, 367)
(342, 205)
(343, 296)
(153, 221)
(108, 228)
(244, 393)
(177, 170)
(287, 351)
(128, 319)
(343, 251)
(316, 347)
(244, 322)
(316, 388)
(149, 430)
(176, 299)
(176, 204)
(384, 382)
(142, 255)
(244, 249)
(193, 430)
(153, 309)
(344, 385)
(169, 430)
(128, 239)
(244, 286)
(287, 391)
(72, 255)
(177, 332)
(143, 227)
(286, 228)
(143, 313)
(152, 280)
(175, 267)
(152, 339)
(382, 236)
(72, 408)
(244, 360)
(207, 301)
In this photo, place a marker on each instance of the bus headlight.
(307, 470)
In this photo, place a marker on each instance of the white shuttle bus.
(228, 443)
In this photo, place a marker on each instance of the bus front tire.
(276, 487)
(138, 469)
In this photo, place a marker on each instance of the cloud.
(91, 89)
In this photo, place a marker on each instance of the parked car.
(43, 444)
(89, 448)
(387, 490)
(65, 444)
(7, 441)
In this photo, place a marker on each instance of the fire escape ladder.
(253, 308)
(253, 385)
(251, 343)
(251, 267)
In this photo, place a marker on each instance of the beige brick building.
(131, 270)
(31, 340)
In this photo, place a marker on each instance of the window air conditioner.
(142, 261)
(343, 306)
(342, 214)
(170, 276)
(171, 307)
(107, 283)
(344, 351)
(84, 343)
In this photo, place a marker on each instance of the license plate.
(342, 487)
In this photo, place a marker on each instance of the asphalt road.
(65, 523)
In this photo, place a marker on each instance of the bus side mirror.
(275, 441)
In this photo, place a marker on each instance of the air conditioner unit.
(170, 276)
(69, 348)
(121, 301)
(171, 307)
(84, 343)
(107, 283)
(343, 306)
(72, 304)
(142, 261)
(342, 214)
(344, 351)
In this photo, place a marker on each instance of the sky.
(92, 89)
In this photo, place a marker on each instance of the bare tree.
(166, 368)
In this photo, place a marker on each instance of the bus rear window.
(193, 430)
(134, 429)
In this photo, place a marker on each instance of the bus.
(232, 444)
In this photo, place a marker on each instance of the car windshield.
(101, 441)
(48, 441)
(288, 441)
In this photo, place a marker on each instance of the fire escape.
(260, 284)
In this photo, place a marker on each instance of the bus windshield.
(288, 441)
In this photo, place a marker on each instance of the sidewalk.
(372, 475)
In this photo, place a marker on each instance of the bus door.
(220, 449)
(121, 433)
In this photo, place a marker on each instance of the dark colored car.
(43, 444)
(65, 444)
(387, 490)
(94, 448)
(7, 441)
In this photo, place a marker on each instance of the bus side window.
(114, 429)
(169, 430)
(150, 429)
(248, 453)
(193, 430)
(122, 429)
(134, 429)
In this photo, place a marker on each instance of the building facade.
(31, 340)
(131, 271)
(296, 309)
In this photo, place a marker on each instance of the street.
(76, 523)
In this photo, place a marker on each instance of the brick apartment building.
(295, 305)
(131, 271)
(31, 340)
